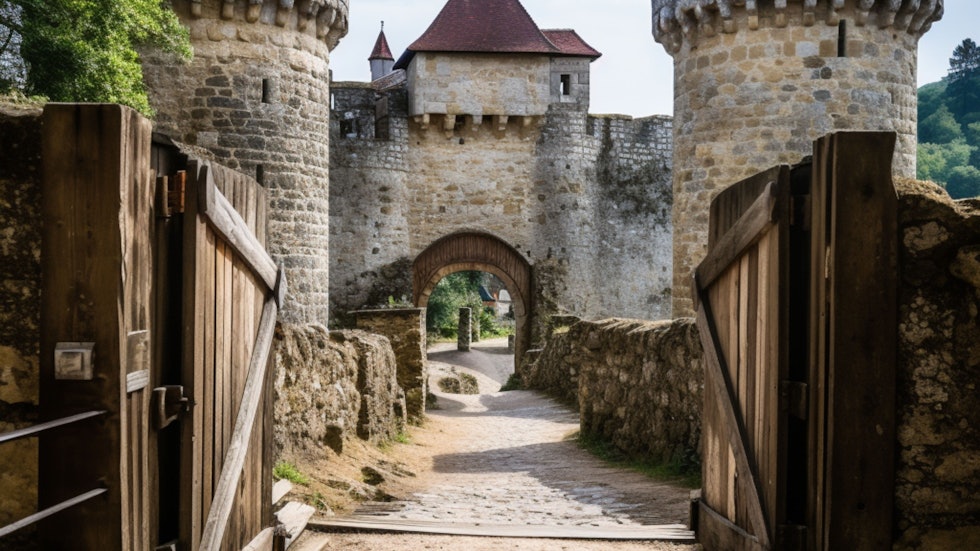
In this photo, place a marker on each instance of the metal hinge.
(168, 404)
(794, 396)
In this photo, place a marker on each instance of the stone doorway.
(479, 252)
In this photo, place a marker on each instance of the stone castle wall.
(20, 305)
(937, 491)
(255, 96)
(478, 84)
(587, 198)
(755, 86)
(637, 384)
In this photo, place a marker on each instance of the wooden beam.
(716, 375)
(672, 532)
(751, 226)
(717, 533)
(231, 472)
(228, 223)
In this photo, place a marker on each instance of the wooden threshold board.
(667, 532)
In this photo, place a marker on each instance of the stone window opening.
(260, 174)
(267, 90)
(566, 85)
(348, 128)
(842, 38)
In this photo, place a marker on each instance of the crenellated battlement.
(325, 19)
(675, 21)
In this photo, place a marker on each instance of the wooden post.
(96, 280)
(853, 342)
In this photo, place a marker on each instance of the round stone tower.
(257, 96)
(755, 82)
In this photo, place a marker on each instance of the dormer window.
(566, 85)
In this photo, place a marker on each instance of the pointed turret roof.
(485, 26)
(381, 49)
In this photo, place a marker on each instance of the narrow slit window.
(842, 38)
(260, 174)
(566, 85)
(266, 90)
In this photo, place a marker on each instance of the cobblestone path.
(507, 458)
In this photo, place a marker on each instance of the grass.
(683, 473)
(513, 383)
(288, 471)
(403, 437)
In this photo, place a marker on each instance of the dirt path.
(506, 458)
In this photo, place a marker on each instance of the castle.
(482, 128)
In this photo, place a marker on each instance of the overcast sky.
(634, 76)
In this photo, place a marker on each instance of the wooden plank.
(719, 533)
(195, 320)
(229, 224)
(94, 267)
(715, 375)
(732, 203)
(261, 542)
(676, 533)
(742, 235)
(231, 473)
(294, 516)
(862, 313)
(280, 489)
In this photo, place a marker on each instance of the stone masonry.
(405, 330)
(20, 305)
(589, 195)
(332, 387)
(256, 97)
(637, 384)
(755, 83)
(937, 487)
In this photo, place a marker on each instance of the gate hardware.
(169, 403)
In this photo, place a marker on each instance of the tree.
(86, 50)
(965, 60)
(963, 182)
(940, 127)
(12, 70)
(936, 161)
(964, 82)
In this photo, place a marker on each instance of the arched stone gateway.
(480, 252)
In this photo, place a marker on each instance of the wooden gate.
(796, 309)
(158, 312)
(232, 290)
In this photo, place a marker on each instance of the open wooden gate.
(796, 309)
(232, 291)
(157, 326)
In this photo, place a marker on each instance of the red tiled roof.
(485, 26)
(570, 43)
(381, 49)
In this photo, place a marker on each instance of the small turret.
(381, 59)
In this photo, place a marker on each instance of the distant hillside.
(949, 125)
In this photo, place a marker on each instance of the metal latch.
(168, 403)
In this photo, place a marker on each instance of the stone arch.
(481, 252)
